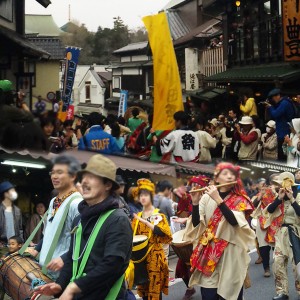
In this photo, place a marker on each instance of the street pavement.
(262, 288)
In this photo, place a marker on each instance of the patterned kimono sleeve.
(245, 205)
(164, 226)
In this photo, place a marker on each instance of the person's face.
(298, 98)
(13, 246)
(276, 98)
(40, 209)
(120, 190)
(145, 198)
(231, 114)
(225, 176)
(48, 129)
(261, 184)
(167, 193)
(246, 128)
(60, 177)
(94, 189)
(297, 175)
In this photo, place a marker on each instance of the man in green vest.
(101, 241)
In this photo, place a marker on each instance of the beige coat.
(225, 278)
(269, 147)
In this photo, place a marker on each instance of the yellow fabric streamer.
(167, 86)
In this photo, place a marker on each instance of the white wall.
(191, 69)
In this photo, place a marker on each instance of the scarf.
(209, 250)
(87, 212)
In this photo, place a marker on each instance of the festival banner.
(71, 61)
(123, 103)
(291, 29)
(167, 87)
(70, 112)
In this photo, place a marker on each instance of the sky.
(95, 13)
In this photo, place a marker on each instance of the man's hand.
(49, 289)
(32, 251)
(55, 264)
(69, 293)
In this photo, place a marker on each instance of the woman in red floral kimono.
(220, 261)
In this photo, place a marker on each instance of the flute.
(217, 186)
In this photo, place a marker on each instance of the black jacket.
(110, 254)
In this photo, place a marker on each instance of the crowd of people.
(97, 230)
(234, 135)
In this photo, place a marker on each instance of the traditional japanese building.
(261, 46)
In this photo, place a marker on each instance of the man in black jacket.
(111, 251)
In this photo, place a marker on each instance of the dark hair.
(115, 130)
(18, 239)
(67, 123)
(27, 135)
(47, 120)
(95, 118)
(121, 120)
(73, 164)
(135, 112)
(181, 116)
(110, 119)
(163, 185)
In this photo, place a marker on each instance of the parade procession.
(150, 151)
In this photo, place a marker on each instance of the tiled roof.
(105, 75)
(261, 73)
(132, 47)
(173, 3)
(206, 29)
(52, 45)
(41, 25)
(177, 27)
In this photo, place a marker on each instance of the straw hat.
(101, 166)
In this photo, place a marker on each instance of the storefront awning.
(257, 73)
(18, 42)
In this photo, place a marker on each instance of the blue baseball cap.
(5, 186)
(274, 92)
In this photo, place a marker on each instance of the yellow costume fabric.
(157, 265)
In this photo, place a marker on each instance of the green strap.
(77, 273)
(32, 235)
(57, 235)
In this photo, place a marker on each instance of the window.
(116, 84)
(87, 91)
(31, 68)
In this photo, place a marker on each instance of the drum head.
(178, 237)
(139, 238)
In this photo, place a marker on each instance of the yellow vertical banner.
(167, 87)
(291, 29)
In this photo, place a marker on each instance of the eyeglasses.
(59, 172)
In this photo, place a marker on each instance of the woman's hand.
(196, 196)
(289, 193)
(213, 193)
(281, 193)
(137, 217)
(179, 220)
